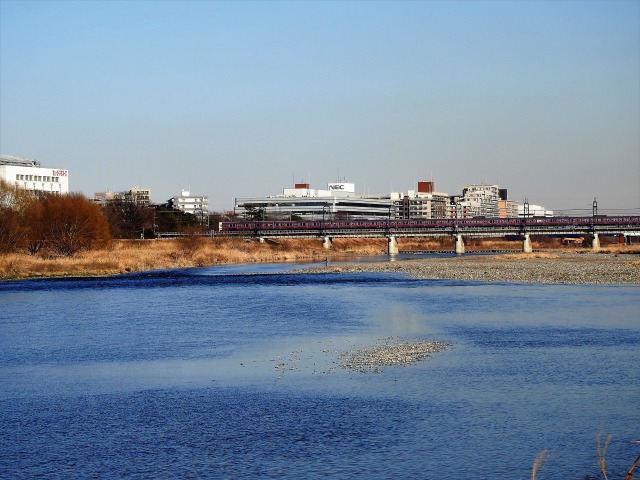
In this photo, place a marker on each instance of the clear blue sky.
(238, 99)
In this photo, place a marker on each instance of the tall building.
(479, 201)
(31, 175)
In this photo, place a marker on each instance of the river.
(234, 372)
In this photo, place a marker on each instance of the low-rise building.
(528, 210)
(137, 195)
(339, 200)
(423, 203)
(197, 205)
(140, 195)
(31, 175)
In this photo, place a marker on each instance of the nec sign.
(336, 186)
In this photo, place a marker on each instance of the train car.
(250, 227)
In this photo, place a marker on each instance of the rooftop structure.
(17, 161)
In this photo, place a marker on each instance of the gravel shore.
(390, 353)
(561, 268)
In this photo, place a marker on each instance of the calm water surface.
(206, 373)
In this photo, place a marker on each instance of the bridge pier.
(260, 239)
(526, 244)
(393, 245)
(459, 245)
(327, 243)
(595, 243)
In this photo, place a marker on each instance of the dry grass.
(123, 256)
(448, 244)
(621, 249)
(602, 453)
(540, 460)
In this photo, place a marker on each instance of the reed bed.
(124, 256)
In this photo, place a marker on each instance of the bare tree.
(72, 223)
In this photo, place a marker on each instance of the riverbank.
(613, 264)
(604, 267)
(127, 256)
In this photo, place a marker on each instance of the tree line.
(42, 223)
(59, 224)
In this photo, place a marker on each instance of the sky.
(242, 99)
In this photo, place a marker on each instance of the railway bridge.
(459, 228)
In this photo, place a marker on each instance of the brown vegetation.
(601, 453)
(49, 224)
(122, 256)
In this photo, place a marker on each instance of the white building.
(478, 201)
(339, 200)
(197, 205)
(529, 210)
(30, 175)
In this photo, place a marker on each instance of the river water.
(234, 372)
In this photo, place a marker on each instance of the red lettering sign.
(59, 173)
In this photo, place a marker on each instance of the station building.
(32, 176)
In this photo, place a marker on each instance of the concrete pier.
(459, 245)
(526, 244)
(327, 243)
(393, 246)
(595, 243)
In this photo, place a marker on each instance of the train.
(248, 227)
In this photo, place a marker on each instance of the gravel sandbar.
(570, 268)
